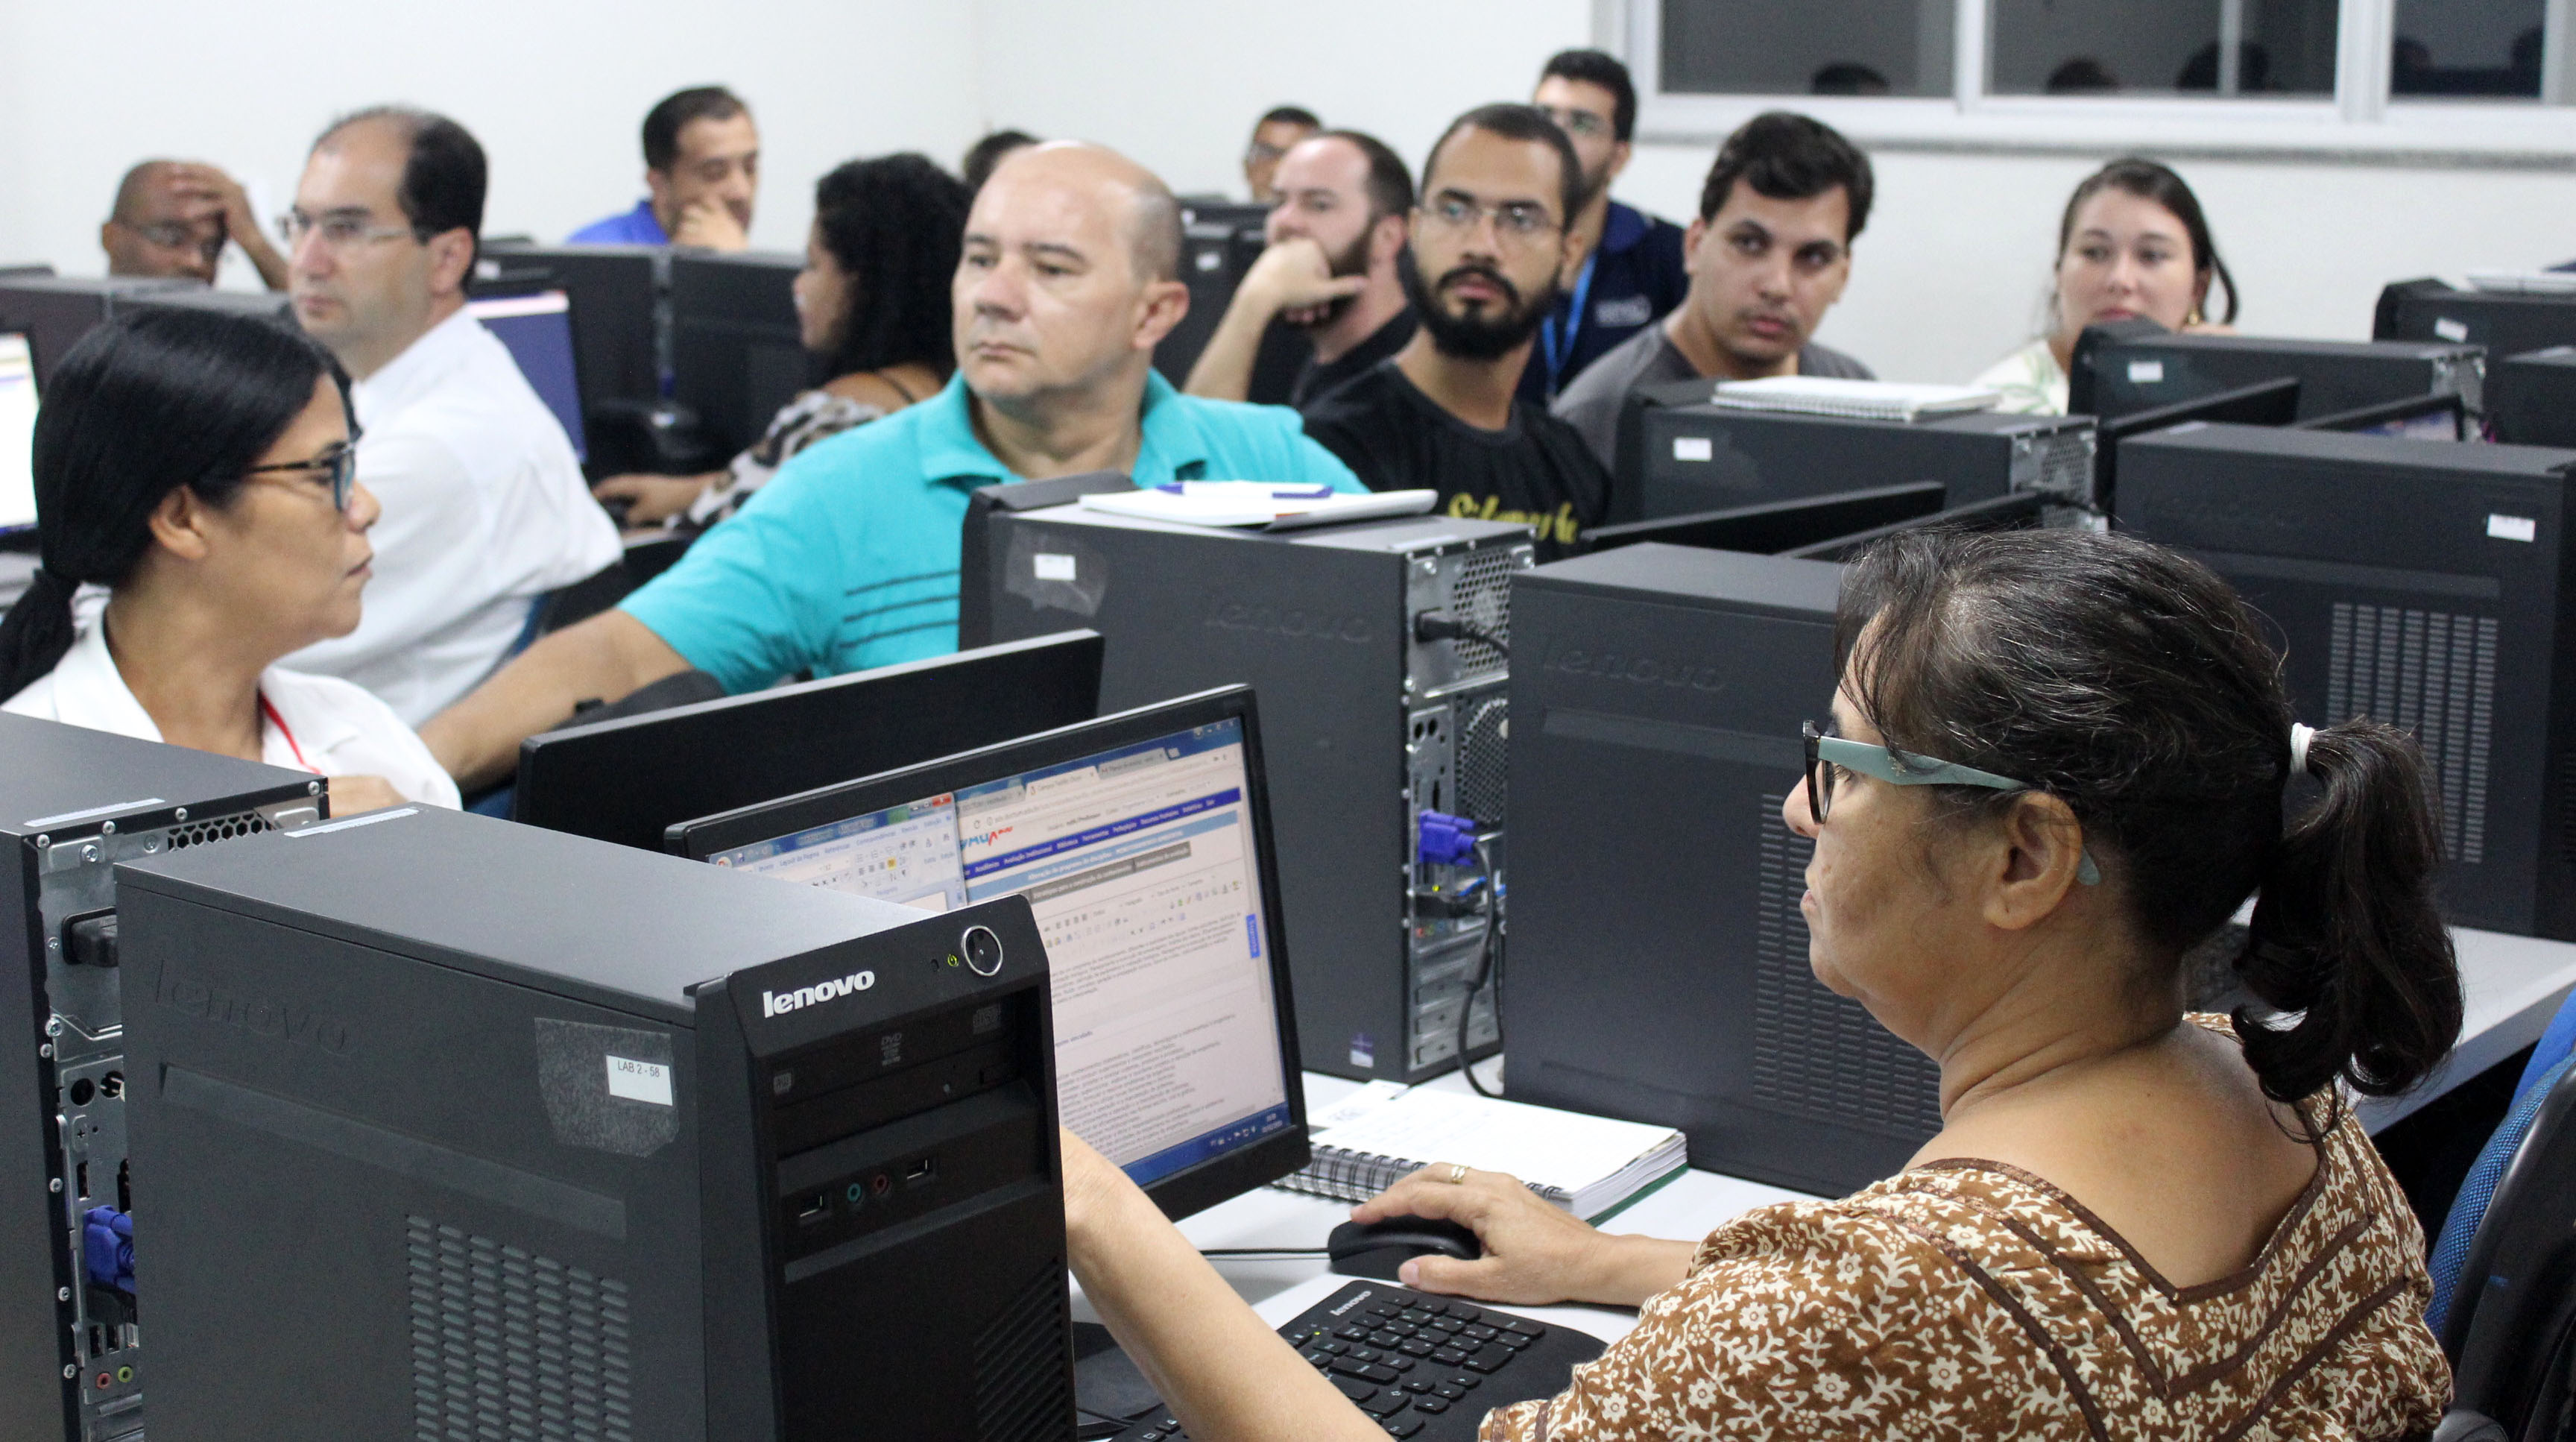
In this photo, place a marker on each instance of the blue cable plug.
(107, 1246)
(1447, 840)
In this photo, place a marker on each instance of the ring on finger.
(1456, 1175)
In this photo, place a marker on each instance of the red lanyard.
(280, 723)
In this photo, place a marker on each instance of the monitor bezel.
(1897, 503)
(545, 796)
(2360, 419)
(1192, 1189)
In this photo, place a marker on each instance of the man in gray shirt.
(1768, 256)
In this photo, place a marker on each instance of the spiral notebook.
(1590, 1166)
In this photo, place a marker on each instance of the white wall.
(555, 90)
(1949, 275)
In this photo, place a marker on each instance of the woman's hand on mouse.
(1535, 1253)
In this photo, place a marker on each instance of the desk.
(1691, 1205)
(2510, 987)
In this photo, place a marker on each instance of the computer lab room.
(1537, 720)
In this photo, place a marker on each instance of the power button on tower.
(983, 950)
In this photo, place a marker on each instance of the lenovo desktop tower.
(2505, 322)
(1378, 651)
(2137, 365)
(1659, 957)
(74, 803)
(458, 1129)
(1679, 454)
(2531, 398)
(2419, 583)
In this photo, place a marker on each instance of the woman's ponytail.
(2347, 942)
(36, 633)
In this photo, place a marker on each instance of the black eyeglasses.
(336, 467)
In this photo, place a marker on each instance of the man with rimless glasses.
(1490, 250)
(484, 506)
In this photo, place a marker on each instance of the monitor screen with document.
(17, 434)
(1142, 842)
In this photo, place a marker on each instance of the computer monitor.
(618, 322)
(268, 305)
(17, 434)
(2135, 365)
(1995, 513)
(2265, 403)
(1216, 250)
(737, 351)
(2415, 418)
(2532, 398)
(54, 311)
(627, 780)
(1143, 842)
(537, 329)
(1776, 526)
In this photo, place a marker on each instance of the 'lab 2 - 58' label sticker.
(639, 1081)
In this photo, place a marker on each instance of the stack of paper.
(1591, 1166)
(1865, 400)
(2524, 282)
(1257, 503)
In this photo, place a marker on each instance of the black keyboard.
(1427, 1368)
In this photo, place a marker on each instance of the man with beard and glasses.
(1769, 255)
(1632, 262)
(1329, 271)
(1489, 252)
(1068, 274)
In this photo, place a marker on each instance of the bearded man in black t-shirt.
(1490, 250)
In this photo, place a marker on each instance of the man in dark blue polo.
(848, 558)
(1632, 270)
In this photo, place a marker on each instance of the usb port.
(919, 1172)
(818, 1205)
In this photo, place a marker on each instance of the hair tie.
(2299, 736)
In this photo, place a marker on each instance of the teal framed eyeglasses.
(1826, 752)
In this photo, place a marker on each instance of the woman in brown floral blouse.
(2057, 759)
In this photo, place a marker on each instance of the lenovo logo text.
(258, 1015)
(779, 1003)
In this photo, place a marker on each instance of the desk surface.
(1691, 1205)
(2510, 987)
(2513, 985)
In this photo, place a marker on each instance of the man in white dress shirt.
(484, 506)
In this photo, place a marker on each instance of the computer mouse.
(1376, 1249)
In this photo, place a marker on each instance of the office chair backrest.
(2510, 1324)
(2450, 1251)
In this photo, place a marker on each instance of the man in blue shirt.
(1632, 268)
(702, 169)
(848, 558)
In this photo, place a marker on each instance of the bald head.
(1087, 175)
(135, 194)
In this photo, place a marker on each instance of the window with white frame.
(2322, 76)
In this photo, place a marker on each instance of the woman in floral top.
(2057, 759)
(873, 304)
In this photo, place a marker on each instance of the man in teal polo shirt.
(848, 558)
